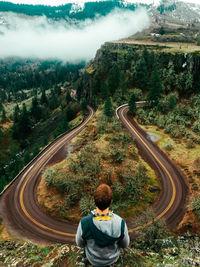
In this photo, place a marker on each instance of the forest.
(91, 9)
(43, 107)
(35, 107)
(169, 83)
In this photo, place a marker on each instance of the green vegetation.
(196, 205)
(173, 251)
(108, 156)
(33, 108)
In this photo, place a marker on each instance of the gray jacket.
(107, 255)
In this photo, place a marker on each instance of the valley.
(54, 151)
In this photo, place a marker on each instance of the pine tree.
(3, 115)
(113, 79)
(36, 150)
(43, 99)
(70, 114)
(132, 104)
(108, 107)
(104, 90)
(36, 111)
(68, 97)
(84, 106)
(122, 83)
(27, 157)
(141, 73)
(24, 123)
(169, 77)
(155, 88)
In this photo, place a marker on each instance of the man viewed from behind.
(103, 232)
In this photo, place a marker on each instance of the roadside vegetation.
(103, 153)
(169, 82)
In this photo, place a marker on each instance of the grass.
(168, 47)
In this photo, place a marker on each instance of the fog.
(41, 38)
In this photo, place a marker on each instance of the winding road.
(24, 218)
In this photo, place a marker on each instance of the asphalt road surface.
(24, 218)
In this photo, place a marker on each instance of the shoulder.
(117, 218)
(85, 222)
(119, 221)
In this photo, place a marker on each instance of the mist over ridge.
(39, 37)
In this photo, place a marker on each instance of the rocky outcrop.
(183, 251)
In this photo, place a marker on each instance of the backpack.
(90, 231)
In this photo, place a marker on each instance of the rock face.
(183, 251)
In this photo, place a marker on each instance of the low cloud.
(42, 38)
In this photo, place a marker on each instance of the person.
(103, 232)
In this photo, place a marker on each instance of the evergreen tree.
(57, 90)
(45, 140)
(1, 133)
(172, 100)
(169, 77)
(104, 90)
(1, 105)
(63, 126)
(36, 150)
(26, 158)
(108, 107)
(155, 88)
(122, 83)
(70, 114)
(16, 113)
(132, 104)
(68, 97)
(36, 111)
(84, 106)
(3, 115)
(24, 123)
(113, 79)
(43, 99)
(141, 73)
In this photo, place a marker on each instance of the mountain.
(71, 10)
(171, 11)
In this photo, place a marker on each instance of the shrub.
(190, 143)
(154, 236)
(196, 126)
(49, 175)
(132, 188)
(161, 122)
(169, 147)
(117, 155)
(86, 205)
(118, 191)
(196, 205)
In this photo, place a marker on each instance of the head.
(103, 196)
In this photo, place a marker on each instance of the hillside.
(176, 113)
(41, 99)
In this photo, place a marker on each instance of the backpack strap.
(90, 231)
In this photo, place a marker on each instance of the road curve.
(24, 218)
(19, 207)
(171, 203)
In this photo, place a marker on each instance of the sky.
(81, 2)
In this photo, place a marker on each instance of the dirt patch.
(52, 202)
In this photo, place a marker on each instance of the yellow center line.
(60, 144)
(35, 169)
(164, 168)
